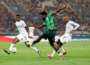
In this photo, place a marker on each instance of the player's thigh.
(15, 40)
(44, 35)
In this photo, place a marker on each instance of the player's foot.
(61, 56)
(8, 52)
(49, 56)
(29, 44)
(39, 53)
(64, 53)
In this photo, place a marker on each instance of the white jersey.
(21, 26)
(31, 29)
(71, 26)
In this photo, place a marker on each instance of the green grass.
(78, 53)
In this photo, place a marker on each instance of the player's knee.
(59, 42)
(15, 40)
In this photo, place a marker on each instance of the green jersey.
(17, 30)
(49, 22)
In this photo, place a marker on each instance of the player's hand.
(64, 6)
(71, 32)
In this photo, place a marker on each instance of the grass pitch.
(78, 53)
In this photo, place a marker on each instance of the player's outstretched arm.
(56, 11)
(41, 26)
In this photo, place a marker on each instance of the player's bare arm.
(71, 32)
(41, 26)
(56, 11)
(27, 29)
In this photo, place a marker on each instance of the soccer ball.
(14, 50)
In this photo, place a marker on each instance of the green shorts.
(49, 34)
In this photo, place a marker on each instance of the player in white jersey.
(70, 27)
(20, 24)
(31, 31)
(31, 35)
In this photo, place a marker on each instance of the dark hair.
(18, 15)
(43, 13)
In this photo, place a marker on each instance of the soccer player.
(23, 29)
(70, 27)
(51, 30)
(31, 31)
(31, 34)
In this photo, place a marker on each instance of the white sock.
(54, 52)
(34, 48)
(12, 45)
(62, 49)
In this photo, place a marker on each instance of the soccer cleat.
(29, 44)
(64, 53)
(49, 56)
(39, 53)
(61, 56)
(8, 52)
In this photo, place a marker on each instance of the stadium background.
(77, 10)
(78, 51)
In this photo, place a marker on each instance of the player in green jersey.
(51, 30)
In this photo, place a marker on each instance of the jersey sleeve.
(24, 24)
(44, 24)
(17, 30)
(50, 15)
(74, 24)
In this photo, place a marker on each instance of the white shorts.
(31, 34)
(65, 38)
(23, 37)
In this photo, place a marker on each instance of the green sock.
(33, 43)
(57, 50)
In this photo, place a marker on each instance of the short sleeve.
(17, 30)
(50, 15)
(24, 24)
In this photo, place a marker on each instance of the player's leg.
(63, 51)
(33, 49)
(53, 53)
(12, 45)
(57, 50)
(43, 35)
(35, 41)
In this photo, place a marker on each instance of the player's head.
(43, 15)
(66, 19)
(18, 17)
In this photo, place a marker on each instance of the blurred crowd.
(34, 7)
(6, 20)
